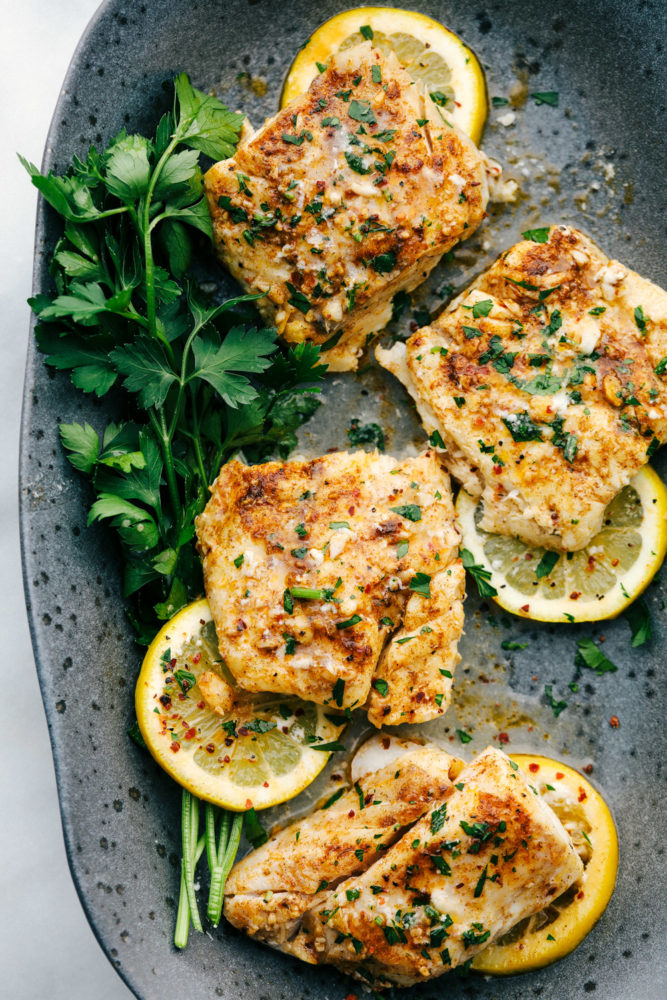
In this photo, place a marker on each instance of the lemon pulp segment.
(258, 753)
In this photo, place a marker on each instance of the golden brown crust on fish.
(541, 381)
(309, 567)
(342, 199)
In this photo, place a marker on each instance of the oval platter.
(594, 161)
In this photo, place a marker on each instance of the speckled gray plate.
(595, 161)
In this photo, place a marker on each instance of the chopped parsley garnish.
(463, 736)
(338, 691)
(376, 74)
(297, 298)
(479, 573)
(253, 829)
(299, 553)
(537, 235)
(597, 311)
(333, 798)
(294, 140)
(640, 319)
(337, 525)
(260, 726)
(331, 121)
(556, 706)
(546, 564)
(402, 549)
(361, 111)
(238, 562)
(438, 817)
(410, 511)
(476, 935)
(589, 655)
(359, 433)
(435, 439)
(421, 584)
(549, 97)
(441, 864)
(290, 644)
(237, 213)
(356, 163)
(352, 894)
(381, 687)
(482, 308)
(499, 102)
(348, 623)
(185, 679)
(510, 645)
(367, 32)
(522, 427)
(460, 401)
(439, 98)
(471, 331)
(479, 888)
(638, 618)
(384, 263)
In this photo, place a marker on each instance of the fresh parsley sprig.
(200, 380)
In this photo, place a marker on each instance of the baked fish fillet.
(268, 892)
(471, 853)
(546, 384)
(311, 568)
(346, 196)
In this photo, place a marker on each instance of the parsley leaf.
(589, 655)
(638, 617)
(479, 573)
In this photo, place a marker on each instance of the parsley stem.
(229, 839)
(148, 245)
(182, 929)
(190, 830)
(164, 440)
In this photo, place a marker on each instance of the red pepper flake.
(351, 813)
(226, 759)
(587, 769)
(533, 768)
(580, 895)
(525, 608)
(248, 803)
(196, 658)
(615, 562)
(266, 784)
(559, 775)
(166, 701)
(241, 625)
(190, 733)
(583, 794)
(575, 595)
(201, 705)
(351, 996)
(210, 748)
(614, 723)
(497, 469)
(503, 737)
(350, 510)
(172, 662)
(175, 747)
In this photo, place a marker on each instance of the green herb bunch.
(198, 381)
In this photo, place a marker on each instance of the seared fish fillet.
(486, 852)
(311, 567)
(349, 194)
(268, 892)
(546, 382)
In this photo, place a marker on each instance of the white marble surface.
(46, 946)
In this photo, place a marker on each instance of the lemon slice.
(429, 52)
(254, 752)
(557, 930)
(595, 583)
